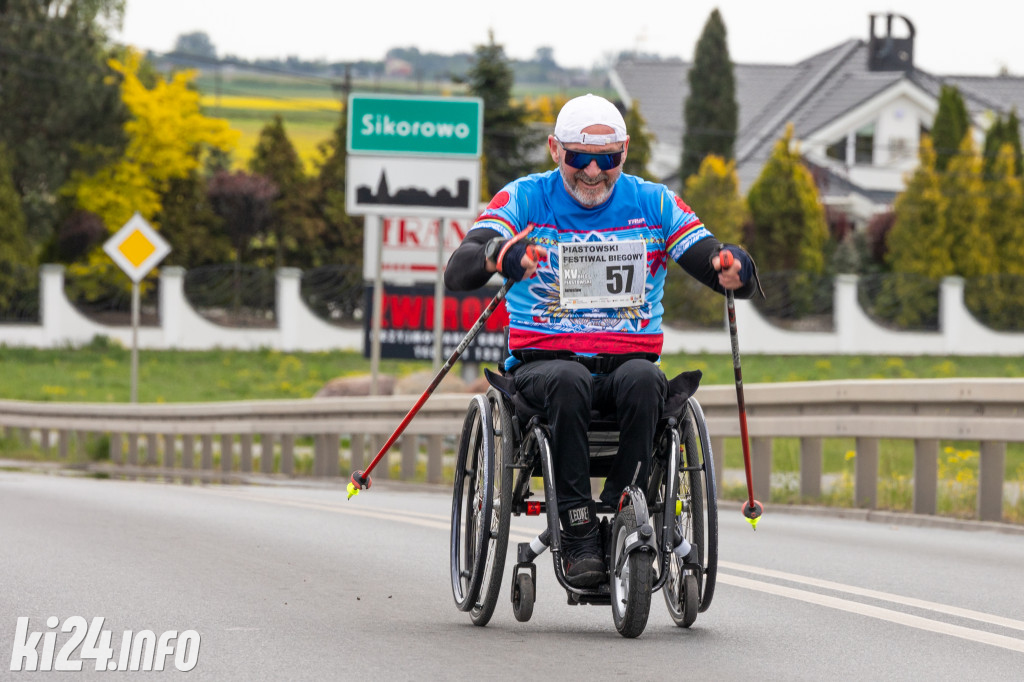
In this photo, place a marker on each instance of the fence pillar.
(289, 298)
(926, 475)
(991, 469)
(865, 479)
(172, 304)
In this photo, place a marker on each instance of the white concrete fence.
(299, 329)
(339, 435)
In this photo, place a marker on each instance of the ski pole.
(752, 509)
(361, 479)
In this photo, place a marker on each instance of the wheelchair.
(662, 534)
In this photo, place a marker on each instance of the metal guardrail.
(331, 437)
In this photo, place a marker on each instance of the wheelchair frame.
(671, 545)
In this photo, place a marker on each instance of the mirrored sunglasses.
(581, 160)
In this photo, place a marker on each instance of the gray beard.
(586, 200)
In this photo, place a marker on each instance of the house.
(858, 111)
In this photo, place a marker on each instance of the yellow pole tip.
(352, 490)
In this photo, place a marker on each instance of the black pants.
(566, 391)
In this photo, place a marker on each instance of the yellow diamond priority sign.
(137, 248)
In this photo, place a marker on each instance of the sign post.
(136, 248)
(414, 156)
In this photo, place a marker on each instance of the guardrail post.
(865, 478)
(435, 459)
(227, 452)
(358, 443)
(246, 445)
(332, 452)
(410, 452)
(761, 468)
(288, 454)
(44, 440)
(169, 450)
(718, 454)
(134, 456)
(151, 446)
(810, 468)
(80, 454)
(991, 470)
(115, 448)
(318, 454)
(188, 453)
(62, 444)
(383, 469)
(926, 475)
(267, 453)
(206, 457)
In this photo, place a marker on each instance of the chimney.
(887, 52)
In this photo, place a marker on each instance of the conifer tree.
(640, 139)
(508, 139)
(919, 246)
(789, 227)
(291, 228)
(714, 194)
(919, 242)
(710, 113)
(15, 253)
(1006, 213)
(950, 126)
(966, 211)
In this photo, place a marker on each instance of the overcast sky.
(979, 37)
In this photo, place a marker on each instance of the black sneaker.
(584, 566)
(581, 547)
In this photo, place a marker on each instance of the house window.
(864, 145)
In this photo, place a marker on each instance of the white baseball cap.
(585, 111)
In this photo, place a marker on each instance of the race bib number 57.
(602, 274)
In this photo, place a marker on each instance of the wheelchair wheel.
(496, 543)
(472, 501)
(687, 592)
(523, 596)
(630, 587)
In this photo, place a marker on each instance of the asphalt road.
(293, 582)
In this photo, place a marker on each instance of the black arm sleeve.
(697, 263)
(467, 269)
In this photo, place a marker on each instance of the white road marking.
(897, 617)
(444, 523)
(882, 596)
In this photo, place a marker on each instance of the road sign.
(137, 248)
(415, 126)
(394, 185)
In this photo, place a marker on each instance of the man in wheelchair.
(587, 247)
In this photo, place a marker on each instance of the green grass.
(100, 372)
